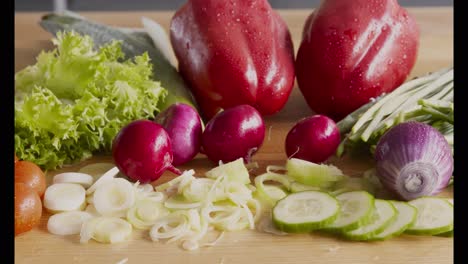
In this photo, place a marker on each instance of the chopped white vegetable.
(184, 209)
(92, 210)
(109, 175)
(145, 213)
(105, 230)
(67, 223)
(60, 197)
(114, 198)
(74, 177)
(174, 225)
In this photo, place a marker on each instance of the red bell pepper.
(353, 51)
(234, 52)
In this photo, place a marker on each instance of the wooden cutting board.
(37, 246)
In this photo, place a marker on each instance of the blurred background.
(122, 5)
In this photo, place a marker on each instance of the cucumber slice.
(385, 214)
(309, 173)
(406, 217)
(434, 216)
(356, 210)
(449, 233)
(303, 212)
(446, 234)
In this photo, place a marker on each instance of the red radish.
(184, 126)
(314, 138)
(142, 151)
(237, 132)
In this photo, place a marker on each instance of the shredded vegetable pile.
(184, 209)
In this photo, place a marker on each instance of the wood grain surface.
(40, 247)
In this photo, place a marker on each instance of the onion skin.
(237, 132)
(414, 160)
(314, 139)
(142, 151)
(183, 124)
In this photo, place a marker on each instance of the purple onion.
(237, 132)
(414, 160)
(183, 124)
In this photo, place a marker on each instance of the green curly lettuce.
(75, 99)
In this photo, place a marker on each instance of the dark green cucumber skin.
(367, 236)
(363, 221)
(306, 227)
(303, 227)
(446, 234)
(395, 234)
(424, 232)
(133, 44)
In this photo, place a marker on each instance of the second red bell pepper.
(234, 52)
(352, 51)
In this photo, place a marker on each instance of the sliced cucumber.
(406, 217)
(303, 212)
(446, 234)
(449, 233)
(309, 173)
(356, 210)
(384, 214)
(434, 216)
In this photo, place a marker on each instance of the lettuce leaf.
(75, 99)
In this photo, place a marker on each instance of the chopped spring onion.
(105, 230)
(235, 170)
(109, 175)
(74, 177)
(61, 197)
(114, 198)
(262, 192)
(313, 174)
(67, 223)
(144, 213)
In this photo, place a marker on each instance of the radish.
(314, 139)
(184, 126)
(237, 132)
(142, 151)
